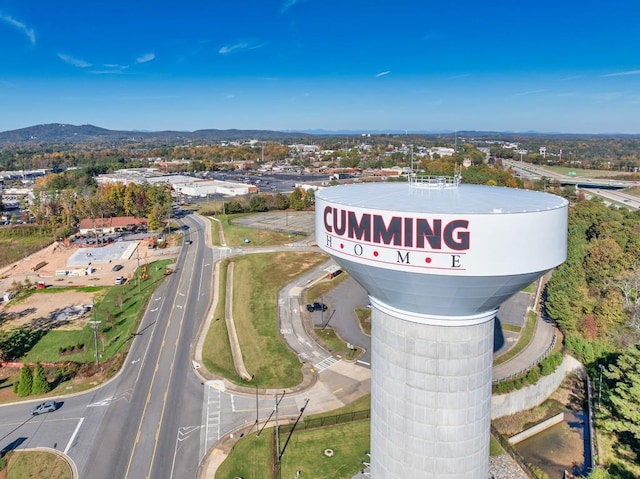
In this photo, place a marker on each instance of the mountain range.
(61, 133)
(65, 133)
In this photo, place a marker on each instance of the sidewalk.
(341, 385)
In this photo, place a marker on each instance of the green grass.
(511, 327)
(634, 190)
(579, 172)
(531, 288)
(215, 233)
(523, 341)
(364, 317)
(251, 456)
(362, 404)
(495, 449)
(315, 292)
(37, 464)
(119, 312)
(329, 337)
(15, 248)
(257, 280)
(216, 352)
(234, 235)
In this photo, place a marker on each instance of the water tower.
(437, 258)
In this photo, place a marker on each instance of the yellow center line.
(148, 400)
(173, 362)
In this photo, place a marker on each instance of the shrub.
(549, 364)
(40, 383)
(533, 375)
(26, 381)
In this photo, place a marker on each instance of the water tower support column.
(431, 394)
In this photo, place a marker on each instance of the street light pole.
(601, 367)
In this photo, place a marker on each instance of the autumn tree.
(257, 204)
(296, 200)
(281, 202)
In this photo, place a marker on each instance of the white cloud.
(381, 74)
(147, 57)
(73, 61)
(239, 46)
(29, 32)
(107, 72)
(620, 74)
(287, 5)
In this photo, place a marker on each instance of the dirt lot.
(55, 257)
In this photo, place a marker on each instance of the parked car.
(120, 280)
(47, 406)
(316, 307)
(116, 267)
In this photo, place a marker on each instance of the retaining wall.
(532, 431)
(532, 396)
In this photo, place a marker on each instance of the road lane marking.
(148, 399)
(73, 436)
(326, 363)
(170, 376)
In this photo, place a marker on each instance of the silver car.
(47, 406)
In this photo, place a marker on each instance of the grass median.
(257, 280)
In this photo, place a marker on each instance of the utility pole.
(270, 415)
(277, 439)
(94, 325)
(257, 419)
(284, 448)
(138, 270)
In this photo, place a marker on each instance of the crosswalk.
(326, 363)
(212, 419)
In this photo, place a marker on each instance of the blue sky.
(372, 65)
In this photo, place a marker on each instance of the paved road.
(146, 422)
(149, 425)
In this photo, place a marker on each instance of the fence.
(593, 440)
(310, 423)
(533, 364)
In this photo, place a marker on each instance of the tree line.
(594, 297)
